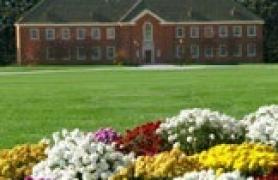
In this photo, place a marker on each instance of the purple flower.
(33, 178)
(106, 135)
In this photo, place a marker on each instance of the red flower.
(141, 140)
(272, 176)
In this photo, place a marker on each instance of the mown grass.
(32, 106)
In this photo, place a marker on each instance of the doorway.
(148, 57)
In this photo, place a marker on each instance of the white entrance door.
(148, 45)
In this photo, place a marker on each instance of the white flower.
(189, 139)
(76, 153)
(212, 136)
(191, 129)
(262, 126)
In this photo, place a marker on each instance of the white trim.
(208, 32)
(224, 46)
(226, 31)
(238, 54)
(96, 58)
(80, 30)
(197, 35)
(234, 30)
(130, 10)
(145, 12)
(18, 45)
(78, 24)
(194, 56)
(209, 55)
(250, 54)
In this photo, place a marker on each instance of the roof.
(106, 11)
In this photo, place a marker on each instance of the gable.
(107, 11)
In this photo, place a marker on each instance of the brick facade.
(131, 48)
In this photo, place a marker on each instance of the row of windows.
(223, 31)
(222, 51)
(81, 33)
(81, 53)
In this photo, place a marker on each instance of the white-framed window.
(96, 34)
(179, 51)
(180, 32)
(194, 32)
(50, 34)
(222, 51)
(158, 53)
(50, 53)
(96, 53)
(237, 31)
(251, 50)
(223, 31)
(34, 34)
(251, 31)
(81, 33)
(110, 52)
(110, 33)
(237, 50)
(81, 53)
(208, 31)
(67, 54)
(148, 32)
(195, 51)
(65, 33)
(209, 52)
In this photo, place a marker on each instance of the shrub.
(200, 129)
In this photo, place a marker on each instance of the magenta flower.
(106, 135)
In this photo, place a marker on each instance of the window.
(34, 34)
(195, 51)
(194, 32)
(179, 51)
(50, 34)
(96, 53)
(110, 33)
(237, 31)
(251, 31)
(96, 34)
(81, 34)
(223, 31)
(81, 53)
(66, 34)
(66, 54)
(148, 32)
(208, 32)
(180, 32)
(251, 50)
(237, 50)
(222, 50)
(209, 52)
(50, 54)
(110, 52)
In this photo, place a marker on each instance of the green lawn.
(35, 104)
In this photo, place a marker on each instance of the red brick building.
(139, 32)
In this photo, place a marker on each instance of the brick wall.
(129, 40)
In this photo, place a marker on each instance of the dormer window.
(251, 31)
(148, 32)
(180, 32)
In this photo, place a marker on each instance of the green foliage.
(268, 10)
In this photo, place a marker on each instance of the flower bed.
(196, 144)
